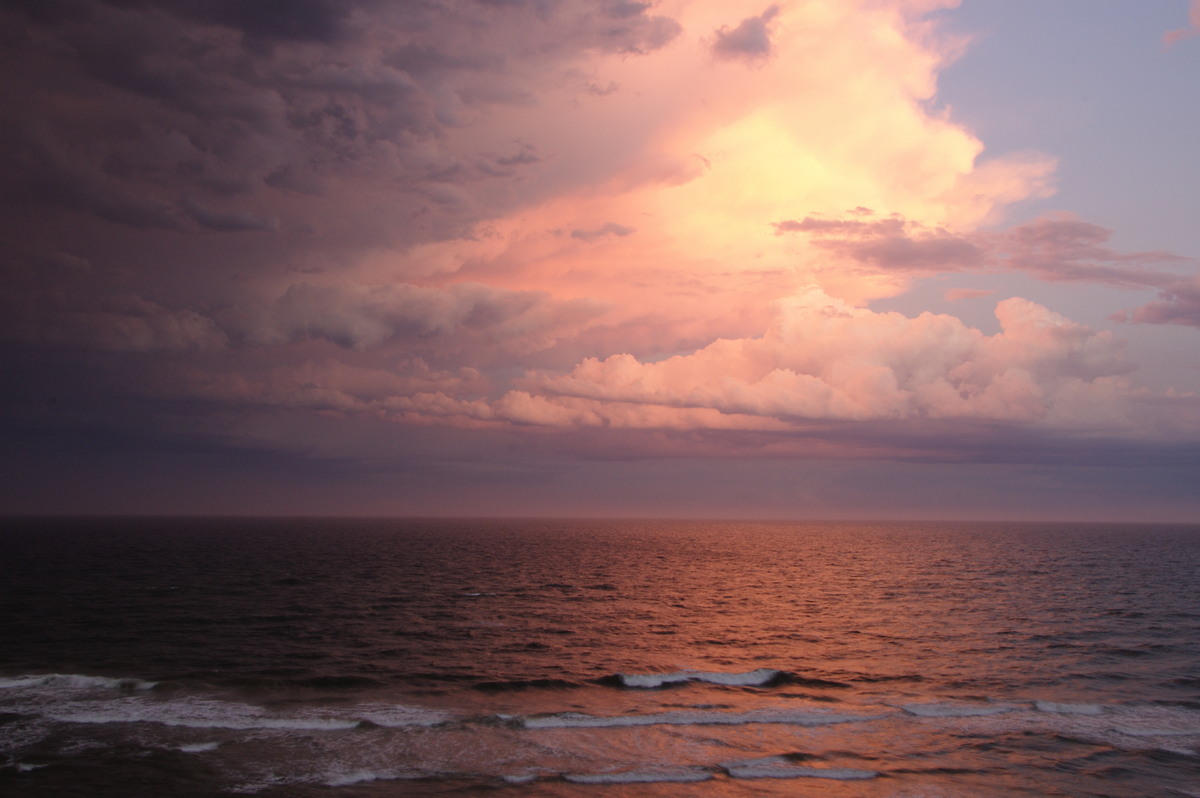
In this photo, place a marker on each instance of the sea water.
(285, 657)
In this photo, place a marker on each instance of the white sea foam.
(73, 699)
(954, 710)
(754, 678)
(353, 777)
(1068, 709)
(1180, 751)
(680, 775)
(196, 714)
(574, 720)
(198, 748)
(1161, 731)
(74, 681)
(396, 716)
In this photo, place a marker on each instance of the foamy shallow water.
(583, 659)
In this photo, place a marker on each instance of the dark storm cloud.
(749, 41)
(155, 114)
(226, 222)
(360, 317)
(1052, 248)
(61, 302)
(320, 21)
(603, 231)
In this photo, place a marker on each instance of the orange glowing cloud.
(677, 173)
(652, 253)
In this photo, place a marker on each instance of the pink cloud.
(549, 220)
(823, 359)
(958, 294)
(1055, 248)
(1178, 303)
(1174, 36)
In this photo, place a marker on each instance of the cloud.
(823, 359)
(154, 117)
(1178, 303)
(958, 294)
(228, 221)
(61, 302)
(548, 225)
(328, 385)
(749, 41)
(1174, 36)
(606, 229)
(1055, 248)
(367, 317)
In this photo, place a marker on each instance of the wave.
(1163, 731)
(575, 720)
(1068, 709)
(525, 684)
(74, 681)
(763, 677)
(682, 775)
(98, 700)
(781, 767)
(954, 710)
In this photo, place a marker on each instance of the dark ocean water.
(397, 658)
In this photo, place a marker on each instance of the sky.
(870, 259)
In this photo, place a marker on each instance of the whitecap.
(206, 713)
(755, 678)
(396, 716)
(1161, 731)
(1068, 709)
(75, 681)
(353, 777)
(198, 748)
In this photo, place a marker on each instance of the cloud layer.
(658, 229)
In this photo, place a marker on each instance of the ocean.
(378, 658)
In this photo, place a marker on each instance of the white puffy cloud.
(824, 359)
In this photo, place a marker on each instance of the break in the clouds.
(556, 221)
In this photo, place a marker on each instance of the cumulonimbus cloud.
(545, 217)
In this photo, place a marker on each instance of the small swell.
(683, 775)
(75, 681)
(576, 720)
(338, 682)
(525, 684)
(763, 677)
(1068, 709)
(953, 710)
(782, 767)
